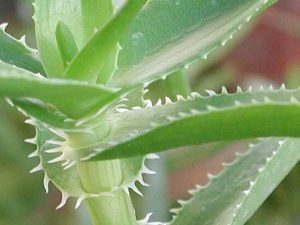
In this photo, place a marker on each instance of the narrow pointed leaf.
(82, 17)
(232, 197)
(90, 60)
(75, 99)
(17, 53)
(198, 120)
(168, 35)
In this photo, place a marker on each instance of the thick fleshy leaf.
(198, 120)
(232, 197)
(17, 53)
(76, 99)
(90, 60)
(82, 17)
(170, 34)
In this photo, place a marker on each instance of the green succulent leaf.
(101, 45)
(81, 18)
(232, 197)
(168, 35)
(198, 120)
(16, 52)
(76, 99)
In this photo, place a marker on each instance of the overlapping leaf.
(198, 120)
(68, 180)
(82, 17)
(232, 197)
(90, 60)
(75, 99)
(170, 34)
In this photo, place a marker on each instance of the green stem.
(104, 176)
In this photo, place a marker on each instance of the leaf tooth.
(260, 170)
(146, 90)
(30, 122)
(182, 202)
(46, 182)
(9, 101)
(146, 170)
(135, 189)
(267, 99)
(69, 165)
(54, 150)
(196, 95)
(281, 142)
(152, 156)
(239, 89)
(175, 210)
(171, 118)
(211, 92)
(250, 89)
(148, 103)
(195, 111)
(271, 88)
(64, 198)
(34, 154)
(23, 40)
(294, 100)
(146, 219)
(254, 101)
(66, 163)
(136, 108)
(238, 103)
(211, 176)
(38, 168)
(247, 192)
(22, 111)
(142, 182)
(224, 90)
(261, 88)
(268, 159)
(80, 200)
(282, 87)
(57, 159)
(168, 100)
(238, 206)
(211, 108)
(3, 26)
(183, 114)
(54, 142)
(180, 98)
(159, 102)
(121, 110)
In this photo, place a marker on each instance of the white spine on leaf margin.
(146, 221)
(139, 176)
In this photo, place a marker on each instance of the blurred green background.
(267, 52)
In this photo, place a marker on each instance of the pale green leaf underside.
(82, 17)
(232, 197)
(73, 98)
(169, 34)
(198, 120)
(17, 53)
(68, 180)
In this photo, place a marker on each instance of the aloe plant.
(83, 91)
